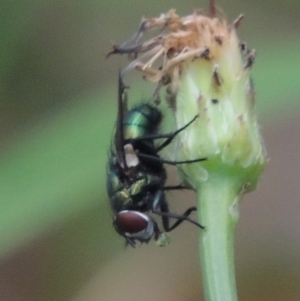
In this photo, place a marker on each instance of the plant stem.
(218, 200)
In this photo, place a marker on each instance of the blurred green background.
(58, 106)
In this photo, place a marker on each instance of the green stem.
(218, 200)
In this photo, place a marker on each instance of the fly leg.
(174, 134)
(169, 136)
(159, 201)
(158, 159)
(176, 187)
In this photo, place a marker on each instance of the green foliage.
(53, 171)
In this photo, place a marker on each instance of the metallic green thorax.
(141, 121)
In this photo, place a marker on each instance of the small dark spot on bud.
(171, 52)
(214, 101)
(250, 59)
(217, 77)
(243, 47)
(241, 118)
(219, 39)
(204, 54)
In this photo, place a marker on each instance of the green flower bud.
(218, 88)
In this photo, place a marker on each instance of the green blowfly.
(136, 175)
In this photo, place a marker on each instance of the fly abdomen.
(140, 121)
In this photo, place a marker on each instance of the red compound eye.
(131, 221)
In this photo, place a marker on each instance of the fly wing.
(119, 135)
